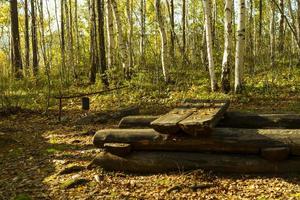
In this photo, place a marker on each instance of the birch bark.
(227, 59)
(209, 44)
(240, 47)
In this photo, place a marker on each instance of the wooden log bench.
(222, 140)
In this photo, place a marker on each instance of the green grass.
(266, 86)
(22, 197)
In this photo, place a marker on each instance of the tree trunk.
(298, 18)
(209, 43)
(259, 35)
(214, 16)
(164, 43)
(260, 18)
(103, 65)
(281, 28)
(143, 31)
(129, 9)
(62, 37)
(121, 39)
(204, 51)
(34, 39)
(251, 56)
(15, 40)
(172, 33)
(272, 34)
(240, 47)
(27, 43)
(93, 41)
(227, 57)
(71, 40)
(110, 35)
(183, 21)
(78, 54)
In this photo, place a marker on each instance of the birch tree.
(129, 10)
(163, 38)
(110, 35)
(240, 47)
(121, 39)
(227, 57)
(209, 44)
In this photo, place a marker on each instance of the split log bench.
(235, 142)
(225, 150)
(222, 140)
(230, 119)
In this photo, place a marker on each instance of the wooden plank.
(204, 119)
(168, 124)
(159, 162)
(222, 140)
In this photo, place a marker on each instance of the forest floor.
(39, 148)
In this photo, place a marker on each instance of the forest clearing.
(137, 99)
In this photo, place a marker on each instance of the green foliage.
(52, 150)
(22, 197)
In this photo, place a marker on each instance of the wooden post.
(85, 103)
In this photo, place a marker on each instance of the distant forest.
(54, 46)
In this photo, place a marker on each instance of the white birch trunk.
(227, 59)
(164, 43)
(121, 39)
(110, 35)
(209, 43)
(129, 10)
(240, 47)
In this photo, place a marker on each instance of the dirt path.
(40, 148)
